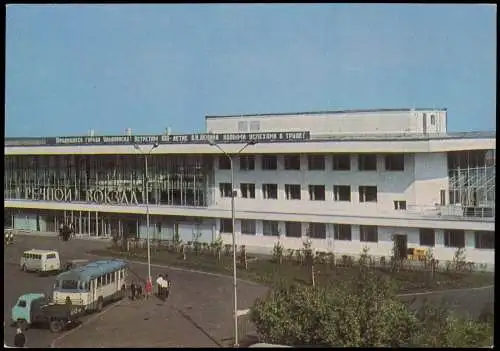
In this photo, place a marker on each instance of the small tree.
(177, 239)
(364, 258)
(459, 259)
(217, 246)
(289, 254)
(243, 256)
(227, 249)
(278, 252)
(196, 243)
(308, 253)
(183, 251)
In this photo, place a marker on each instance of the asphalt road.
(200, 303)
(199, 312)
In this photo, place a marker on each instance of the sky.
(72, 68)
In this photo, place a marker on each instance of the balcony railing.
(453, 212)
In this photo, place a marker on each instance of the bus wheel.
(100, 304)
(55, 326)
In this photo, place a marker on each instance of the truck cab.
(27, 309)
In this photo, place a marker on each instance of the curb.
(445, 291)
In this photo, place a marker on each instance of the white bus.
(92, 285)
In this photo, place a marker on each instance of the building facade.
(345, 180)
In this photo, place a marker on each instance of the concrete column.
(355, 234)
(96, 224)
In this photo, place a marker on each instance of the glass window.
(248, 226)
(22, 303)
(226, 225)
(293, 229)
(69, 284)
(317, 230)
(270, 228)
(342, 232)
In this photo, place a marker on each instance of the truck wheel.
(100, 303)
(22, 324)
(55, 326)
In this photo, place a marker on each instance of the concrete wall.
(430, 177)
(362, 122)
(419, 185)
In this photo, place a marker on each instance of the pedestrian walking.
(138, 292)
(20, 338)
(148, 289)
(61, 231)
(132, 290)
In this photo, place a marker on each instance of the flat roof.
(261, 138)
(326, 112)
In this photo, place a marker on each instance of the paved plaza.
(198, 312)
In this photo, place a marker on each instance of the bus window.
(108, 278)
(121, 274)
(113, 276)
(69, 284)
(50, 256)
(38, 257)
(84, 286)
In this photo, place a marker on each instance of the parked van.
(40, 261)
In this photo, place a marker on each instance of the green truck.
(35, 308)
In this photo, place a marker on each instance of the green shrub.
(362, 313)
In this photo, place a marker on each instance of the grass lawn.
(267, 272)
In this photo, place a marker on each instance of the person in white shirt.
(160, 283)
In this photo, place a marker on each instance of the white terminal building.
(344, 179)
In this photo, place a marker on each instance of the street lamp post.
(233, 219)
(146, 179)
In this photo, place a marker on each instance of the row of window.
(340, 162)
(367, 193)
(367, 233)
(108, 278)
(38, 257)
